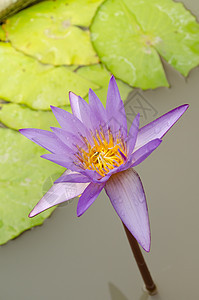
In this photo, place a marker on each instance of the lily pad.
(55, 32)
(98, 74)
(17, 116)
(22, 180)
(34, 84)
(129, 36)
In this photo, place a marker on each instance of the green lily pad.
(55, 32)
(34, 84)
(129, 36)
(22, 180)
(17, 116)
(98, 74)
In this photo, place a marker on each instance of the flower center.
(104, 155)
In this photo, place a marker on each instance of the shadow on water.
(116, 294)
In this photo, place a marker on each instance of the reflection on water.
(116, 294)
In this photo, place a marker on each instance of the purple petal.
(159, 127)
(133, 132)
(45, 139)
(58, 193)
(74, 177)
(88, 197)
(62, 160)
(70, 163)
(115, 109)
(74, 102)
(142, 153)
(91, 174)
(113, 96)
(68, 138)
(127, 196)
(69, 122)
(81, 109)
(98, 112)
(121, 168)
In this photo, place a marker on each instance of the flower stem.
(149, 283)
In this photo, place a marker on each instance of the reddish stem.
(149, 283)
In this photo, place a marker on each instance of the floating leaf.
(55, 32)
(22, 183)
(98, 74)
(17, 116)
(129, 36)
(34, 84)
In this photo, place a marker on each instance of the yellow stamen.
(105, 154)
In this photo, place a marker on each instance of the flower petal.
(70, 163)
(62, 160)
(159, 127)
(69, 122)
(45, 139)
(113, 96)
(74, 177)
(81, 109)
(68, 138)
(133, 132)
(115, 109)
(98, 112)
(74, 102)
(142, 153)
(127, 196)
(58, 193)
(91, 174)
(88, 197)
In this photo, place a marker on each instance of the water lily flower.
(95, 146)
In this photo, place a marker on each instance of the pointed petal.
(113, 96)
(88, 197)
(74, 102)
(115, 109)
(159, 127)
(58, 193)
(142, 153)
(74, 177)
(69, 122)
(98, 112)
(81, 109)
(133, 132)
(45, 139)
(127, 196)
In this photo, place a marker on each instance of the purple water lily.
(94, 145)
